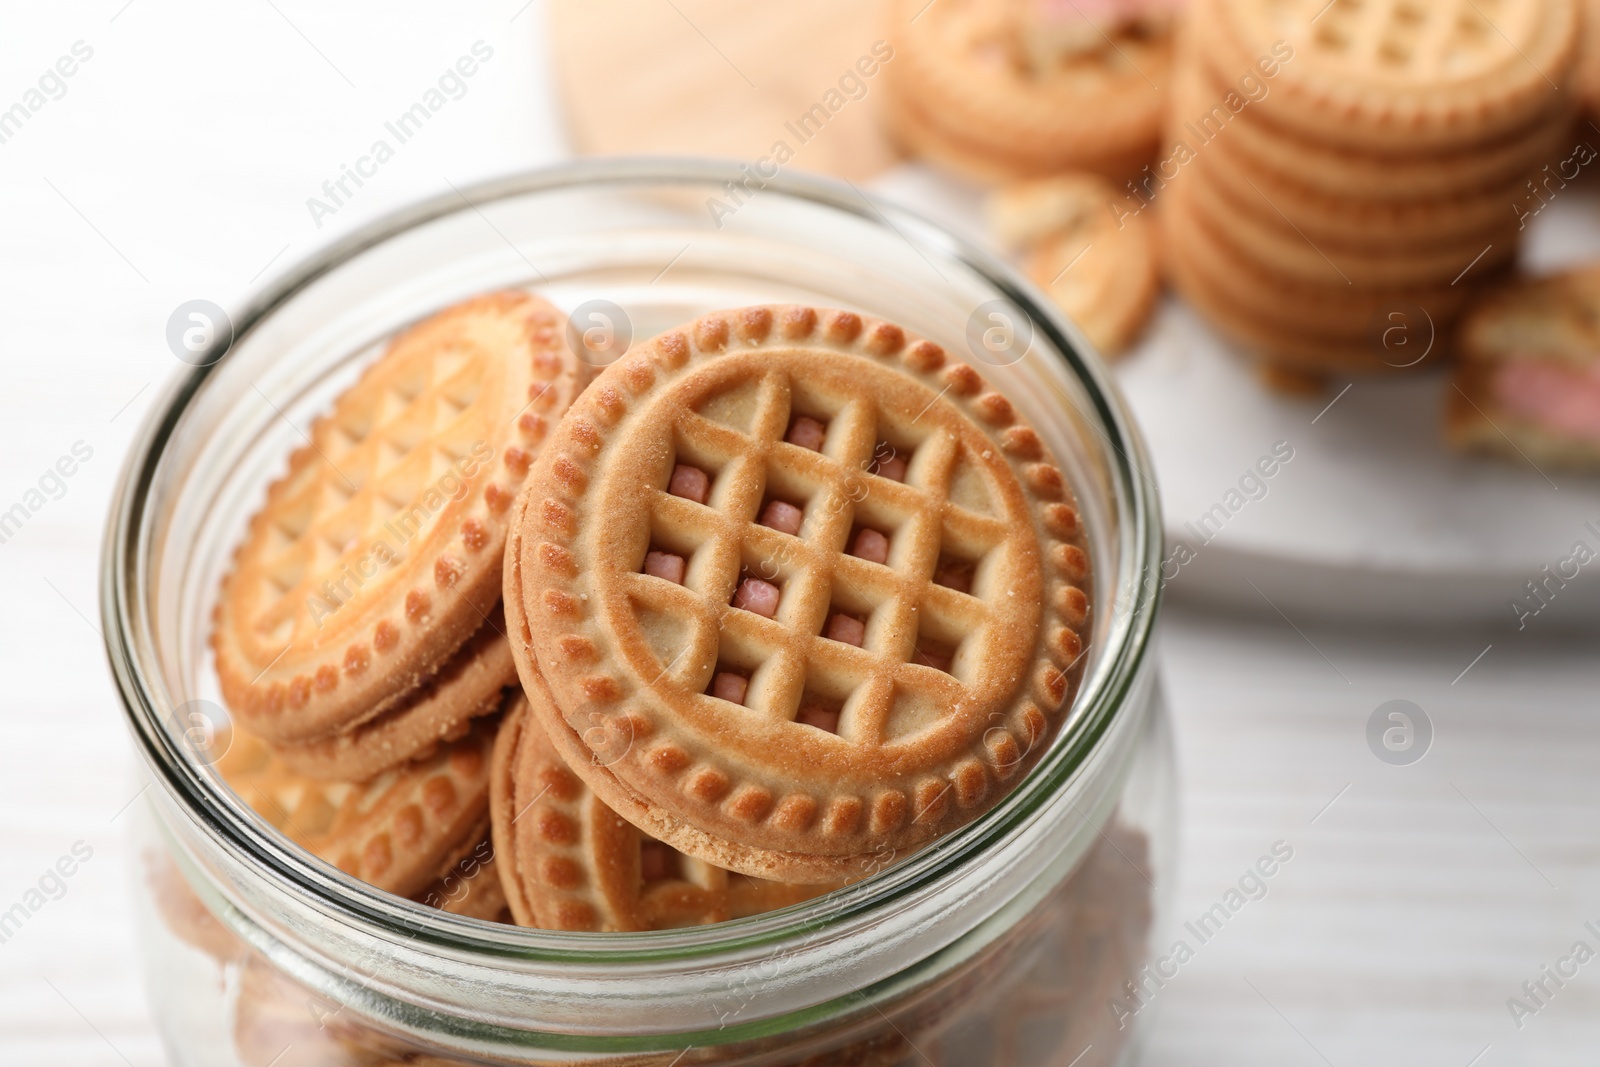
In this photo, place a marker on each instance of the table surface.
(177, 164)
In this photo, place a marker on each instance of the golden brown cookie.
(471, 887)
(1554, 318)
(1263, 316)
(1373, 226)
(1407, 75)
(504, 810)
(1529, 384)
(977, 85)
(1345, 315)
(806, 591)
(1099, 268)
(1349, 213)
(1270, 236)
(584, 867)
(277, 1022)
(183, 912)
(470, 684)
(1586, 77)
(379, 553)
(398, 832)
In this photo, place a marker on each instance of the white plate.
(1371, 518)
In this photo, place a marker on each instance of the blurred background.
(159, 152)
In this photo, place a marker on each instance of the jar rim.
(130, 643)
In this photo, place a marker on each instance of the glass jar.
(1022, 938)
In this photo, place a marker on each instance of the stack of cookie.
(1332, 171)
(1006, 89)
(359, 633)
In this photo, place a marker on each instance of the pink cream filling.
(760, 597)
(1551, 394)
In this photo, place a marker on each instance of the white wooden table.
(177, 165)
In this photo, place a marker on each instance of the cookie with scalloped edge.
(471, 887)
(399, 832)
(470, 684)
(1100, 269)
(379, 552)
(277, 1022)
(504, 810)
(1409, 75)
(806, 591)
(986, 88)
(184, 913)
(1195, 246)
(582, 866)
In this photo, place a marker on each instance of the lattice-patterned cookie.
(584, 867)
(1408, 74)
(380, 551)
(1006, 89)
(470, 684)
(806, 591)
(399, 832)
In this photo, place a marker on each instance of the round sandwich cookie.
(1586, 77)
(379, 552)
(1368, 225)
(505, 810)
(806, 591)
(1203, 120)
(1296, 355)
(470, 684)
(277, 1022)
(1272, 238)
(1195, 247)
(581, 866)
(1098, 263)
(184, 913)
(1385, 75)
(1007, 89)
(399, 832)
(471, 888)
(1528, 385)
(1347, 212)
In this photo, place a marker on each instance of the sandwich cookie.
(1528, 387)
(470, 684)
(399, 832)
(379, 553)
(1406, 75)
(806, 592)
(1098, 268)
(580, 866)
(1009, 89)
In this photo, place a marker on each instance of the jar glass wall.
(1008, 941)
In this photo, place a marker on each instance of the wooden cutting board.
(725, 78)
